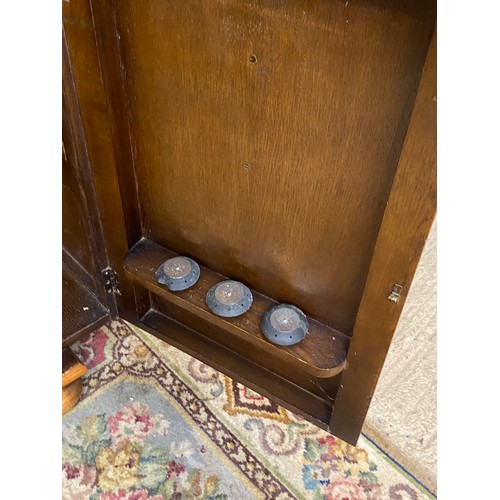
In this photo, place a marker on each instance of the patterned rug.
(155, 423)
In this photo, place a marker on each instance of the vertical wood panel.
(107, 44)
(74, 237)
(82, 232)
(276, 170)
(83, 57)
(406, 224)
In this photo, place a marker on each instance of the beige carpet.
(402, 416)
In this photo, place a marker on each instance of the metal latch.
(395, 294)
(110, 278)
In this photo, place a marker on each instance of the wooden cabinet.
(288, 145)
(86, 305)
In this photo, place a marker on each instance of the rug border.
(388, 458)
(191, 384)
(394, 462)
(125, 373)
(136, 331)
(132, 378)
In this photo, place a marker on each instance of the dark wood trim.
(77, 147)
(82, 311)
(83, 274)
(407, 221)
(79, 33)
(108, 47)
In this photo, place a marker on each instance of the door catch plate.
(395, 294)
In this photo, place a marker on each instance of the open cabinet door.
(286, 145)
(86, 304)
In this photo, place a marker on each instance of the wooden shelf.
(321, 353)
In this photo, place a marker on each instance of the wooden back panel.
(265, 135)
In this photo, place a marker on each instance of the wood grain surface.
(266, 134)
(82, 312)
(74, 236)
(70, 395)
(82, 237)
(81, 60)
(321, 353)
(72, 369)
(406, 225)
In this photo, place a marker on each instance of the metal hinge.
(110, 278)
(395, 294)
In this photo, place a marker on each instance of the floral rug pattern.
(155, 423)
(114, 457)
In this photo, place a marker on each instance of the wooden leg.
(71, 394)
(72, 370)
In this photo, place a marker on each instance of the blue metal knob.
(229, 299)
(178, 273)
(284, 324)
